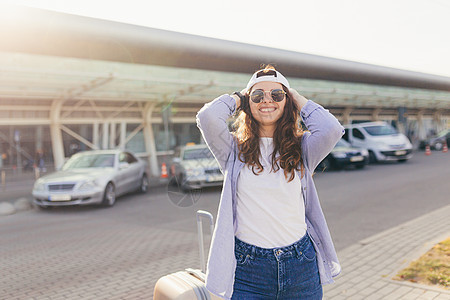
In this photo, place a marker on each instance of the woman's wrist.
(237, 99)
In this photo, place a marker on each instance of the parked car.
(92, 177)
(344, 155)
(383, 141)
(195, 167)
(437, 142)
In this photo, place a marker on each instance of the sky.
(404, 34)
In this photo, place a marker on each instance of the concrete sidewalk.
(368, 266)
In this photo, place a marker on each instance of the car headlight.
(193, 172)
(340, 154)
(39, 186)
(88, 185)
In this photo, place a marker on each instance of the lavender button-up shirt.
(324, 131)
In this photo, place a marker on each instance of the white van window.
(358, 134)
(380, 130)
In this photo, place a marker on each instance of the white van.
(382, 140)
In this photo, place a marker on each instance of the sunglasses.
(276, 94)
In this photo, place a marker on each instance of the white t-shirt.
(270, 211)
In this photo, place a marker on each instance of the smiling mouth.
(266, 110)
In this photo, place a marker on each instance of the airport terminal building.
(70, 83)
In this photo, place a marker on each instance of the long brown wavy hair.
(287, 138)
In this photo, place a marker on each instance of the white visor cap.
(260, 76)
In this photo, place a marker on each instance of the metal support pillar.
(83, 133)
(95, 138)
(437, 124)
(421, 127)
(402, 119)
(112, 136)
(123, 134)
(149, 139)
(55, 133)
(105, 135)
(375, 114)
(39, 143)
(346, 115)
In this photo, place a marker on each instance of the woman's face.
(267, 112)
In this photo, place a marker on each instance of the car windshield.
(90, 161)
(442, 133)
(380, 130)
(202, 153)
(342, 143)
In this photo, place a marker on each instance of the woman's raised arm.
(212, 122)
(324, 130)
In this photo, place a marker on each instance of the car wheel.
(143, 188)
(185, 188)
(109, 196)
(372, 157)
(182, 184)
(173, 181)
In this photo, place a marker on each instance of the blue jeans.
(289, 272)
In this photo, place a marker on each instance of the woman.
(271, 239)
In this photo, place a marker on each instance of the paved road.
(119, 253)
(361, 203)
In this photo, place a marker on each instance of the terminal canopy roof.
(38, 77)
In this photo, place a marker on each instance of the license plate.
(400, 152)
(59, 198)
(213, 178)
(356, 158)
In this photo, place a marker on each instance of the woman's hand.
(299, 99)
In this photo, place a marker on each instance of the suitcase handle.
(209, 216)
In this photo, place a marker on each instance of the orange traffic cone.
(445, 149)
(164, 171)
(427, 150)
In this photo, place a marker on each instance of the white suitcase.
(190, 283)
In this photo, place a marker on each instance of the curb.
(19, 205)
(6, 209)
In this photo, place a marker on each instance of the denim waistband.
(294, 249)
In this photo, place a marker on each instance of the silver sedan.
(92, 177)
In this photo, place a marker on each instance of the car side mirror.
(123, 165)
